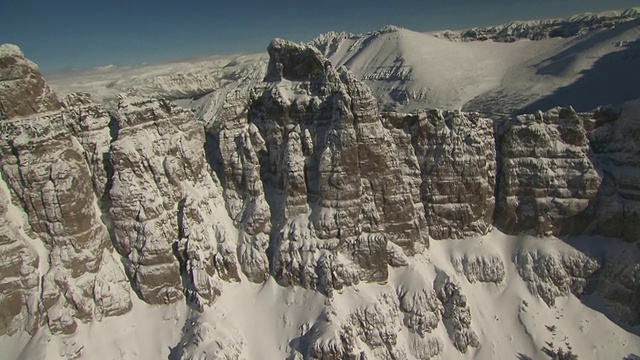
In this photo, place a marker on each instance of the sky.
(62, 35)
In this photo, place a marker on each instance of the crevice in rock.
(16, 154)
(498, 130)
(214, 158)
(114, 126)
(104, 203)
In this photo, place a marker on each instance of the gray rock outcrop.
(456, 153)
(456, 314)
(50, 180)
(316, 161)
(550, 275)
(546, 172)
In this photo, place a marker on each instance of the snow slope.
(262, 321)
(408, 70)
(420, 70)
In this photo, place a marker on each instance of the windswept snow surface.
(418, 69)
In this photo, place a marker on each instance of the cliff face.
(308, 183)
(48, 173)
(19, 285)
(568, 173)
(546, 175)
(615, 143)
(23, 90)
(456, 154)
(165, 204)
(331, 184)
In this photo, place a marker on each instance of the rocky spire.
(23, 91)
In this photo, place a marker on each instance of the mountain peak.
(295, 62)
(390, 29)
(24, 91)
(7, 50)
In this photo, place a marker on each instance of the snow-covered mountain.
(409, 70)
(290, 214)
(547, 28)
(176, 80)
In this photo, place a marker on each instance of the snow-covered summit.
(409, 70)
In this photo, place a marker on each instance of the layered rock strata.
(456, 153)
(164, 202)
(615, 144)
(546, 173)
(567, 173)
(46, 170)
(316, 140)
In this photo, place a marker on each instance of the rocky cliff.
(48, 173)
(303, 181)
(568, 173)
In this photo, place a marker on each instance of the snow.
(428, 70)
(509, 320)
(181, 79)
(434, 71)
(10, 50)
(507, 327)
(414, 69)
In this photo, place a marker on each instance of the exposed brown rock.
(546, 174)
(338, 187)
(23, 91)
(456, 153)
(162, 224)
(44, 166)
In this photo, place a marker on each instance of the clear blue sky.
(64, 34)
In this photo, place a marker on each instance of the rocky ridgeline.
(543, 29)
(308, 183)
